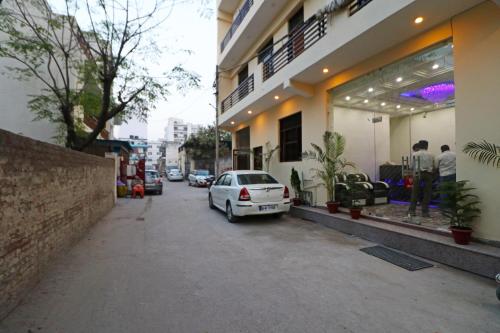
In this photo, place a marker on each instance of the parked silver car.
(175, 175)
(153, 182)
(200, 178)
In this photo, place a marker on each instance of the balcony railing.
(296, 43)
(357, 5)
(245, 88)
(236, 23)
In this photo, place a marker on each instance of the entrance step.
(476, 258)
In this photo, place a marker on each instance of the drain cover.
(396, 258)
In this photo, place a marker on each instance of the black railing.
(245, 88)
(236, 23)
(356, 6)
(296, 43)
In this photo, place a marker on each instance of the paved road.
(169, 264)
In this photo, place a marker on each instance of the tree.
(201, 146)
(97, 69)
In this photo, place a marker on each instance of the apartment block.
(385, 74)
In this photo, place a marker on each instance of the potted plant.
(295, 182)
(461, 207)
(331, 163)
(356, 209)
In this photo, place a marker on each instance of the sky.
(186, 28)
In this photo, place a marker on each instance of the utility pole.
(217, 139)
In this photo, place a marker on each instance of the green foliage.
(484, 152)
(330, 160)
(458, 203)
(295, 182)
(201, 146)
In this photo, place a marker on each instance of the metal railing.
(296, 43)
(245, 88)
(357, 5)
(236, 23)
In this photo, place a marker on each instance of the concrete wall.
(477, 78)
(437, 127)
(49, 197)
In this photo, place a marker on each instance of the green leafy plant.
(459, 204)
(295, 182)
(356, 204)
(484, 152)
(330, 160)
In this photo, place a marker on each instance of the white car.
(242, 193)
(199, 178)
(174, 174)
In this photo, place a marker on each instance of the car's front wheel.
(210, 202)
(229, 213)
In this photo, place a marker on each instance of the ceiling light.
(276, 97)
(232, 123)
(398, 106)
(383, 103)
(325, 70)
(365, 101)
(419, 20)
(435, 66)
(412, 109)
(370, 89)
(399, 79)
(348, 98)
(249, 111)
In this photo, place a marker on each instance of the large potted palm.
(331, 163)
(461, 207)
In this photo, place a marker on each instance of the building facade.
(178, 130)
(385, 74)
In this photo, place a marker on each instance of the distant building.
(179, 130)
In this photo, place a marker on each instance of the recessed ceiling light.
(348, 98)
(249, 111)
(398, 106)
(435, 66)
(399, 79)
(419, 20)
(232, 123)
(325, 70)
(276, 97)
(383, 103)
(365, 101)
(370, 89)
(412, 109)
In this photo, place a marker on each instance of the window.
(220, 181)
(256, 178)
(243, 74)
(257, 158)
(291, 138)
(266, 51)
(227, 180)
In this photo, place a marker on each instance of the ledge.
(476, 258)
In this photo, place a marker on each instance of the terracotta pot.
(333, 207)
(296, 201)
(356, 213)
(461, 236)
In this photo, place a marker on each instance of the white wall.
(477, 79)
(367, 143)
(438, 127)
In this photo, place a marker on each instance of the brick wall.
(49, 197)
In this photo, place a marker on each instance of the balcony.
(295, 44)
(245, 88)
(236, 23)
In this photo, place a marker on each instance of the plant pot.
(297, 201)
(356, 213)
(461, 236)
(333, 207)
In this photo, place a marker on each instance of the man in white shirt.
(446, 163)
(423, 168)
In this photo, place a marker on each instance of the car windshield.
(151, 176)
(174, 171)
(201, 173)
(256, 178)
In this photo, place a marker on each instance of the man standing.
(423, 167)
(446, 163)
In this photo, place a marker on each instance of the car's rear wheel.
(229, 213)
(210, 202)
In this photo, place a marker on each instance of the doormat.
(396, 258)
